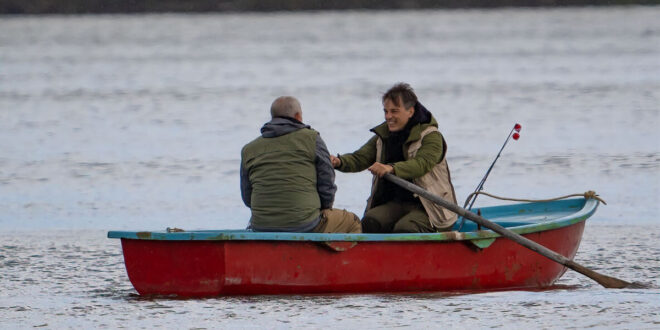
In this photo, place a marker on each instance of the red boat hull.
(235, 267)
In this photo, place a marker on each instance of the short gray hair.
(285, 106)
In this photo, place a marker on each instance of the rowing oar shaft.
(606, 281)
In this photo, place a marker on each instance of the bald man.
(287, 179)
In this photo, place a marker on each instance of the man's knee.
(406, 227)
(415, 222)
(341, 221)
(371, 225)
(380, 219)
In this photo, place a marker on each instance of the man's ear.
(298, 116)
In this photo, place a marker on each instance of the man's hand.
(380, 169)
(336, 162)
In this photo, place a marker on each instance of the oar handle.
(606, 281)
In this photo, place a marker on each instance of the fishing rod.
(515, 134)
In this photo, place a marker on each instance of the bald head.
(285, 106)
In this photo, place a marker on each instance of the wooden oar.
(604, 280)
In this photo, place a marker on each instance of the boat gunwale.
(584, 213)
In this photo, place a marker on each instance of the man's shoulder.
(261, 141)
(309, 130)
(250, 144)
(381, 130)
(427, 129)
(307, 134)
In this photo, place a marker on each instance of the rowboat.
(204, 263)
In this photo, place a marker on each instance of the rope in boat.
(587, 195)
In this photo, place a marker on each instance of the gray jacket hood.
(279, 126)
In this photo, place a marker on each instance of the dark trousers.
(396, 217)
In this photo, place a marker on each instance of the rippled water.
(136, 122)
(77, 279)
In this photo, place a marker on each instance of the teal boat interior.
(521, 218)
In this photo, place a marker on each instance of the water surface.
(136, 122)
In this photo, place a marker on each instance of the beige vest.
(437, 182)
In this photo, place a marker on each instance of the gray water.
(136, 123)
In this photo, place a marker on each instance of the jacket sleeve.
(246, 186)
(325, 175)
(360, 159)
(428, 155)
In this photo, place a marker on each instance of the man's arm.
(246, 186)
(325, 175)
(361, 159)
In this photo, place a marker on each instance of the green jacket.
(286, 177)
(429, 155)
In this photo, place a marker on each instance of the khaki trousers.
(338, 221)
